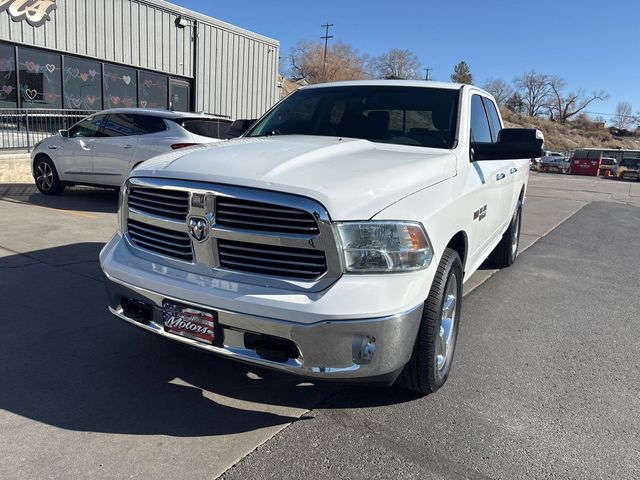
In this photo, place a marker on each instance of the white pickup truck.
(331, 240)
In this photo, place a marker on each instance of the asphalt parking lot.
(546, 382)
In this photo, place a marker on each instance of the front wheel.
(46, 176)
(430, 363)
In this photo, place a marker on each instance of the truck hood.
(354, 179)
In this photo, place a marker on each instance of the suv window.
(206, 127)
(630, 162)
(480, 131)
(118, 125)
(148, 124)
(494, 119)
(89, 127)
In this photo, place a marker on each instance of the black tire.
(505, 253)
(428, 370)
(46, 176)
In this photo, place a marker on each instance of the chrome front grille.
(160, 240)
(250, 215)
(252, 236)
(272, 260)
(165, 203)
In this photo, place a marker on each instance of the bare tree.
(500, 90)
(462, 73)
(623, 118)
(562, 106)
(343, 63)
(396, 63)
(534, 91)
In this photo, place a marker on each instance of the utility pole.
(427, 75)
(326, 38)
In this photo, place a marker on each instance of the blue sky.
(591, 44)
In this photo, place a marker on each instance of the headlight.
(381, 246)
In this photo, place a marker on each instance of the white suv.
(102, 149)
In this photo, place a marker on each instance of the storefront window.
(120, 87)
(153, 90)
(40, 79)
(8, 91)
(82, 84)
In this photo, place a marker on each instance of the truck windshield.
(423, 117)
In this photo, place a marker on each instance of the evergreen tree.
(462, 73)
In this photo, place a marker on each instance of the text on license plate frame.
(188, 322)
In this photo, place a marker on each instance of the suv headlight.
(384, 246)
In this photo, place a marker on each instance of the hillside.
(581, 133)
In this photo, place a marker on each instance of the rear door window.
(119, 124)
(149, 124)
(205, 127)
(494, 119)
(480, 131)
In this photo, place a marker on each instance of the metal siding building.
(229, 71)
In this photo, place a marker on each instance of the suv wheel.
(46, 177)
(430, 363)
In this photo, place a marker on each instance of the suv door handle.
(500, 176)
(127, 146)
(513, 170)
(52, 147)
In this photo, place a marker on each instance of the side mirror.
(64, 133)
(512, 144)
(238, 127)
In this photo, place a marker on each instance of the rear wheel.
(504, 255)
(46, 177)
(430, 363)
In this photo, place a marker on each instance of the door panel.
(74, 155)
(112, 153)
(487, 180)
(508, 170)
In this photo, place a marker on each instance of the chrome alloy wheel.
(516, 236)
(445, 341)
(44, 176)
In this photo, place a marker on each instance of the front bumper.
(371, 349)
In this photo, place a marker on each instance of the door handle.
(500, 176)
(84, 146)
(513, 170)
(52, 147)
(127, 146)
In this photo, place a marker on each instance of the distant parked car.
(606, 166)
(554, 162)
(103, 148)
(628, 169)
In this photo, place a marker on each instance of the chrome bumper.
(372, 349)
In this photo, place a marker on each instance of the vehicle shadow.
(67, 362)
(81, 199)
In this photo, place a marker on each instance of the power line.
(427, 75)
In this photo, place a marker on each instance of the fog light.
(363, 349)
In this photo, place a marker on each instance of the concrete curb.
(15, 168)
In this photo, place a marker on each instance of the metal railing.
(22, 128)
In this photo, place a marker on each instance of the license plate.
(189, 322)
